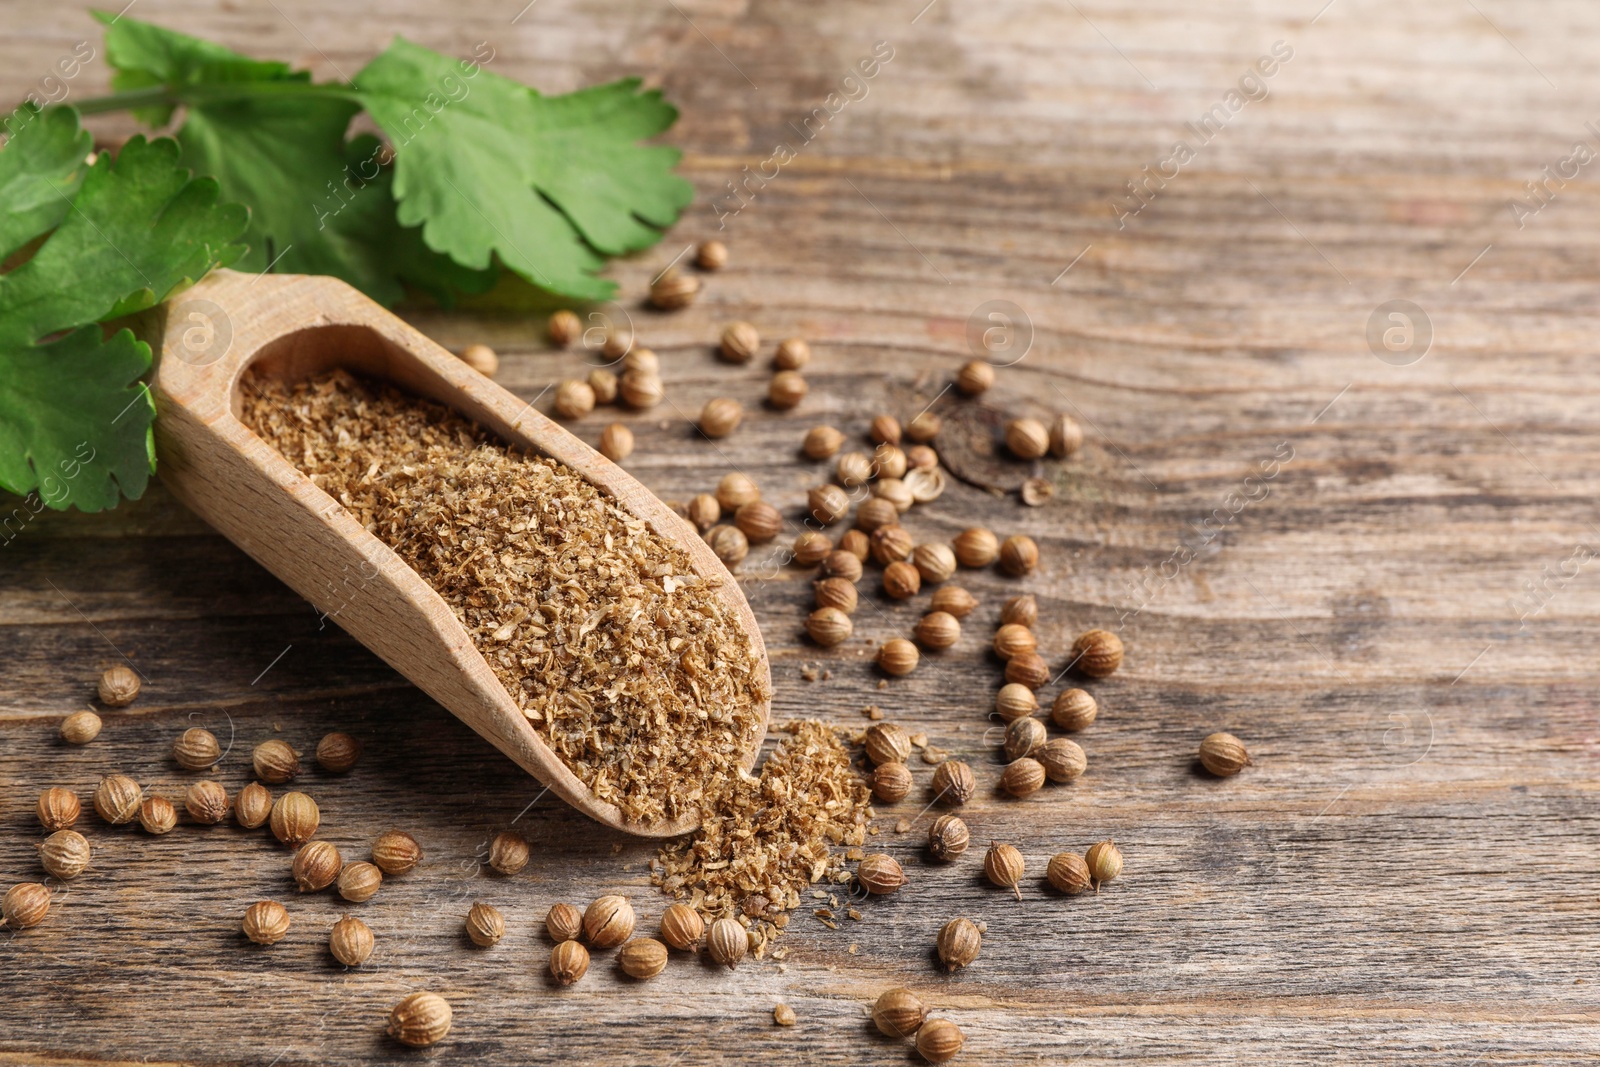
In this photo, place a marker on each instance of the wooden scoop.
(293, 327)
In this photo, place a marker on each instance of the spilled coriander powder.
(642, 681)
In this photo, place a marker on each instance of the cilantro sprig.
(474, 172)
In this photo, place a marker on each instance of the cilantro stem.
(172, 96)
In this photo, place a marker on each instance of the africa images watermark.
(1539, 193)
(852, 88)
(1153, 177)
(1537, 593)
(51, 493)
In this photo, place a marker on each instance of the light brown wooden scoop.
(293, 327)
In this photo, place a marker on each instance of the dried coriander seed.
(563, 923)
(206, 802)
(887, 742)
(1015, 701)
(793, 353)
(351, 941)
(420, 1020)
(672, 290)
(616, 442)
(735, 490)
(759, 521)
(80, 728)
(1097, 653)
(642, 957)
(569, 961)
(275, 762)
(119, 686)
(1019, 555)
(485, 925)
(639, 361)
(924, 427)
(604, 383)
(704, 511)
(898, 657)
(829, 627)
(888, 461)
(1073, 709)
(729, 543)
(783, 1015)
(681, 926)
(266, 922)
(608, 922)
(811, 548)
(574, 399)
(396, 852)
(1021, 610)
(901, 581)
(853, 469)
(196, 749)
(1023, 776)
(880, 874)
(787, 389)
(1029, 669)
(1012, 639)
(874, 514)
(948, 838)
(721, 416)
(711, 255)
(508, 852)
(116, 799)
(921, 457)
(827, 503)
(856, 543)
(727, 942)
(1023, 736)
(891, 782)
(480, 358)
(938, 630)
(1223, 755)
(740, 342)
(935, 561)
(975, 377)
(898, 1013)
(1063, 760)
(1068, 873)
(892, 544)
(896, 492)
(954, 600)
(1066, 436)
(58, 808)
(1027, 438)
(1036, 492)
(253, 806)
(976, 547)
(564, 328)
(885, 430)
(1105, 862)
(837, 593)
(316, 866)
(821, 442)
(25, 905)
(337, 752)
(959, 943)
(939, 1040)
(359, 881)
(953, 782)
(65, 854)
(641, 389)
(295, 819)
(157, 815)
(1003, 866)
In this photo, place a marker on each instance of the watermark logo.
(999, 333)
(1399, 332)
(199, 332)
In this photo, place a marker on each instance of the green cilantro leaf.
(488, 166)
(39, 172)
(74, 419)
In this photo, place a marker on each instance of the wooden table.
(1407, 874)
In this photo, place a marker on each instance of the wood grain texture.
(1407, 874)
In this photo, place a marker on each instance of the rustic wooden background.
(1408, 874)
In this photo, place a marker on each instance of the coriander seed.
(395, 851)
(924, 427)
(508, 852)
(80, 728)
(1036, 492)
(921, 458)
(316, 866)
(1023, 736)
(337, 752)
(953, 782)
(253, 806)
(811, 548)
(58, 808)
(24, 905)
(1029, 669)
(975, 377)
(901, 580)
(976, 547)
(1003, 866)
(880, 874)
(887, 742)
(898, 1013)
(206, 802)
(898, 656)
(157, 815)
(64, 854)
(485, 924)
(266, 922)
(1015, 701)
(1027, 438)
(681, 926)
(786, 390)
(481, 358)
(672, 290)
(640, 361)
(704, 511)
(711, 255)
(1063, 760)
(196, 749)
(827, 503)
(853, 469)
(727, 942)
(642, 957)
(604, 384)
(419, 1020)
(1023, 776)
(616, 442)
(935, 561)
(608, 922)
(574, 399)
(885, 430)
(569, 961)
(359, 881)
(1013, 639)
(1066, 436)
(792, 354)
(740, 342)
(837, 593)
(720, 417)
(1021, 610)
(875, 513)
(1097, 653)
(948, 838)
(295, 819)
(119, 686)
(735, 490)
(116, 799)
(821, 442)
(891, 782)
(891, 544)
(351, 941)
(1019, 555)
(641, 389)
(937, 630)
(1073, 709)
(841, 563)
(783, 1015)
(564, 328)
(275, 762)
(563, 923)
(729, 543)
(888, 461)
(1223, 755)
(857, 543)
(1068, 873)
(953, 600)
(939, 1040)
(759, 521)
(959, 943)
(1105, 862)
(895, 492)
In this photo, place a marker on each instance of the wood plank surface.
(1406, 876)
